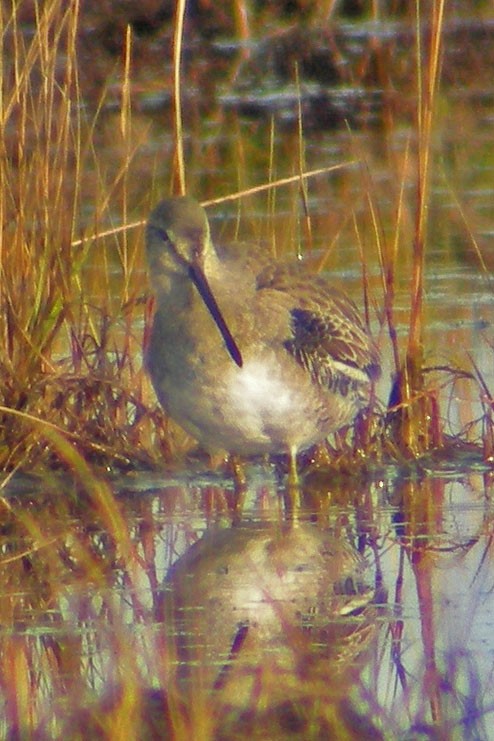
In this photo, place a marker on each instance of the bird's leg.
(293, 480)
(292, 496)
(239, 481)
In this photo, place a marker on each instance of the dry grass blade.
(177, 54)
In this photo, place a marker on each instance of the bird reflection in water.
(273, 624)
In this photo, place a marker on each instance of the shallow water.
(420, 620)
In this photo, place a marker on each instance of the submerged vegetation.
(80, 169)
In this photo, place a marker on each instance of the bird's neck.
(174, 290)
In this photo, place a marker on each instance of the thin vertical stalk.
(126, 132)
(427, 82)
(301, 166)
(177, 54)
(417, 421)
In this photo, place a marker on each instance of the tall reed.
(419, 429)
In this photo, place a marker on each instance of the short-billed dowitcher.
(247, 354)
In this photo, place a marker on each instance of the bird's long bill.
(199, 279)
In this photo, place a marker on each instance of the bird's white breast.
(258, 390)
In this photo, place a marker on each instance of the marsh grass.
(419, 428)
(72, 353)
(68, 357)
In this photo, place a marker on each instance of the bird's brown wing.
(326, 334)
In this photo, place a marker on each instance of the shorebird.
(249, 355)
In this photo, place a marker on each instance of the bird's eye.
(162, 234)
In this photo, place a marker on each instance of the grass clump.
(64, 359)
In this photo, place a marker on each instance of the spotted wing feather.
(327, 336)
